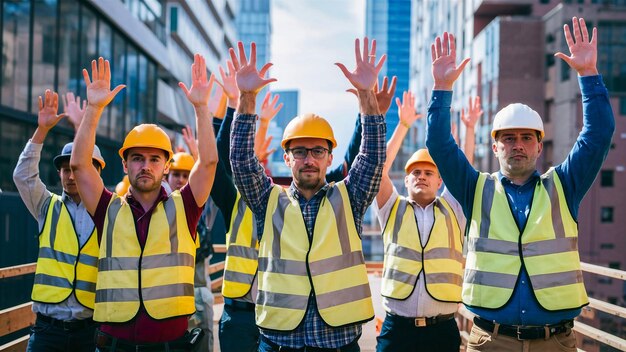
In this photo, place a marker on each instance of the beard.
(309, 180)
(145, 183)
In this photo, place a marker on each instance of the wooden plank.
(600, 336)
(216, 284)
(213, 268)
(16, 318)
(219, 248)
(604, 271)
(17, 345)
(17, 270)
(607, 307)
(218, 298)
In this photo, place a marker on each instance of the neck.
(518, 178)
(146, 199)
(309, 192)
(423, 201)
(75, 198)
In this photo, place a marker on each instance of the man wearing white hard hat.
(65, 280)
(522, 276)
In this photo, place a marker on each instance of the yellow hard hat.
(308, 126)
(517, 116)
(182, 161)
(122, 187)
(420, 156)
(148, 136)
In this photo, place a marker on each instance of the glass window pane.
(15, 51)
(142, 90)
(131, 87)
(69, 65)
(44, 50)
(105, 41)
(88, 41)
(151, 86)
(118, 68)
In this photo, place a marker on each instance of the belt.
(66, 324)
(107, 342)
(425, 321)
(521, 332)
(347, 347)
(240, 305)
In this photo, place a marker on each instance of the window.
(607, 246)
(622, 106)
(614, 265)
(606, 178)
(44, 50)
(606, 214)
(15, 53)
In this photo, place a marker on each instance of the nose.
(71, 175)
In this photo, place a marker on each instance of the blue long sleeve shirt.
(576, 173)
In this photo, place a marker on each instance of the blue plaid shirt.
(362, 183)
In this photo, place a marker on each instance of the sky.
(308, 37)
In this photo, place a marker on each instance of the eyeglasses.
(301, 152)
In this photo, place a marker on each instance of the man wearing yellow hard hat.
(65, 280)
(522, 277)
(144, 292)
(313, 290)
(423, 241)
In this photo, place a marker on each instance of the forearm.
(394, 144)
(470, 144)
(367, 102)
(26, 177)
(207, 149)
(85, 140)
(223, 192)
(459, 176)
(223, 140)
(261, 133)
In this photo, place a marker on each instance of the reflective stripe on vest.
(405, 256)
(160, 276)
(63, 268)
(332, 261)
(242, 252)
(549, 248)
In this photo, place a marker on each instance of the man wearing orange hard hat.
(144, 292)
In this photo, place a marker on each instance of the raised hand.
(262, 151)
(583, 51)
(200, 91)
(470, 116)
(99, 92)
(217, 101)
(190, 141)
(73, 109)
(366, 72)
(48, 107)
(229, 84)
(384, 96)
(249, 79)
(445, 70)
(269, 108)
(406, 109)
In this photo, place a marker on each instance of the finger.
(438, 47)
(84, 105)
(381, 62)
(280, 106)
(222, 73)
(107, 70)
(365, 48)
(385, 83)
(86, 78)
(433, 55)
(357, 51)
(274, 100)
(564, 57)
(268, 81)
(392, 87)
(568, 36)
(585, 32)
(233, 59)
(40, 103)
(64, 97)
(94, 70)
(462, 65)
(576, 28)
(100, 68)
(116, 90)
(452, 45)
(184, 88)
(265, 68)
(55, 100)
(353, 91)
(253, 54)
(399, 104)
(266, 100)
(231, 68)
(46, 98)
(60, 116)
(446, 43)
(594, 37)
(242, 54)
(343, 69)
(271, 151)
(372, 55)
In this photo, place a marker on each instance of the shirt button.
(523, 282)
(523, 311)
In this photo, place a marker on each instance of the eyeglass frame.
(308, 151)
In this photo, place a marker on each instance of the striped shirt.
(362, 183)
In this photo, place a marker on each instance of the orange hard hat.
(308, 126)
(182, 161)
(420, 156)
(147, 135)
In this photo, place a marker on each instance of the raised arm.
(99, 95)
(202, 175)
(74, 109)
(469, 118)
(269, 109)
(407, 116)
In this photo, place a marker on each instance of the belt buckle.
(519, 333)
(420, 322)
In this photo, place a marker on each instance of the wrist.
(405, 124)
(588, 72)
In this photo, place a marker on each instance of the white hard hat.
(517, 116)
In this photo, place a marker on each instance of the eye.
(318, 152)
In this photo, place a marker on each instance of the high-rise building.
(389, 22)
(290, 109)
(511, 45)
(150, 45)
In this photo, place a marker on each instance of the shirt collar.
(295, 193)
(132, 201)
(533, 178)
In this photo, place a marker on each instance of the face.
(309, 173)
(177, 179)
(517, 151)
(422, 182)
(145, 168)
(67, 179)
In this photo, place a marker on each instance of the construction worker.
(144, 292)
(522, 278)
(65, 279)
(313, 290)
(422, 236)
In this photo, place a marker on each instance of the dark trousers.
(268, 346)
(237, 330)
(51, 337)
(401, 334)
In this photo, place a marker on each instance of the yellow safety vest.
(63, 267)
(405, 255)
(547, 247)
(330, 263)
(160, 275)
(242, 252)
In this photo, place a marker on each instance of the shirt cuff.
(372, 119)
(441, 99)
(592, 85)
(33, 147)
(246, 118)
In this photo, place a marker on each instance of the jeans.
(401, 334)
(238, 330)
(50, 338)
(267, 346)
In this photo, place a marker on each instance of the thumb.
(563, 57)
(343, 69)
(353, 91)
(463, 64)
(117, 90)
(184, 88)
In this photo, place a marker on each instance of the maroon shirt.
(143, 328)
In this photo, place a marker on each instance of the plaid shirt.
(362, 183)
